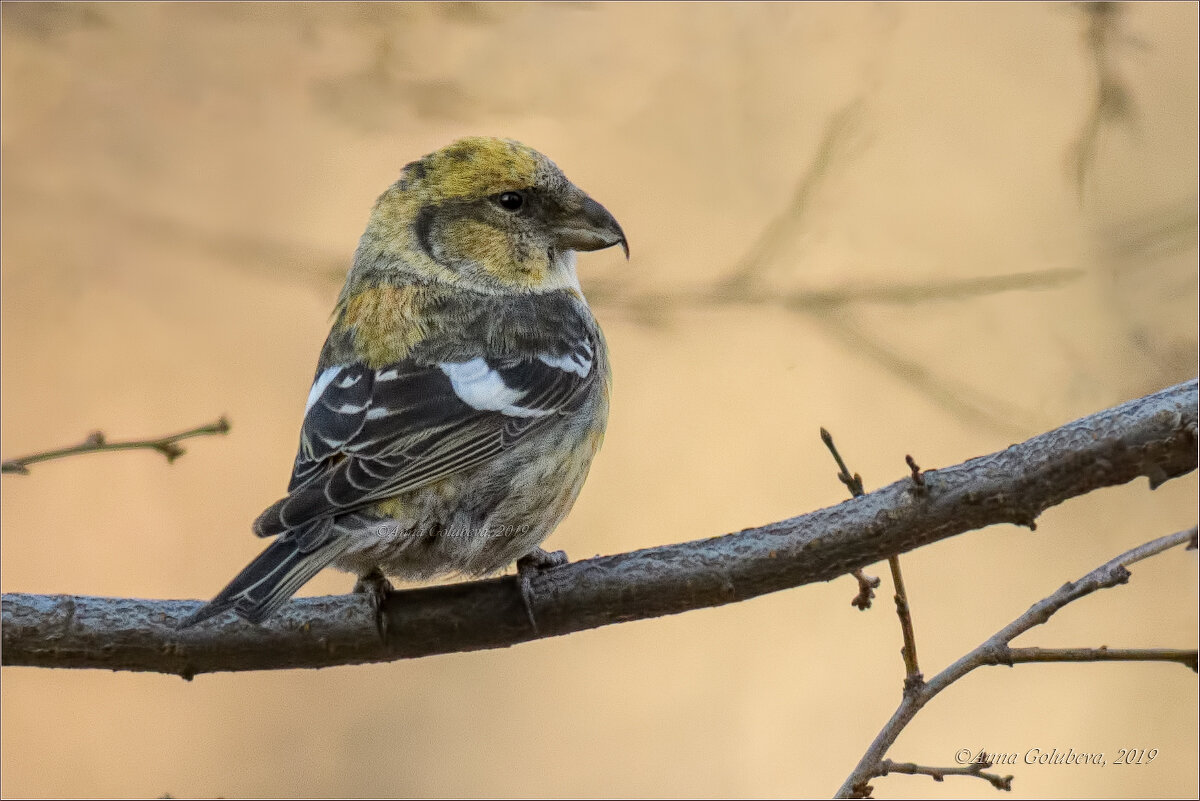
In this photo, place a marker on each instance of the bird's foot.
(377, 588)
(532, 564)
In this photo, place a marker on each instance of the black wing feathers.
(414, 428)
(333, 420)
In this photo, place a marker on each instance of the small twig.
(995, 650)
(976, 769)
(912, 670)
(866, 584)
(866, 589)
(1016, 656)
(854, 482)
(96, 442)
(918, 478)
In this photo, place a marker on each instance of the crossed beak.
(586, 225)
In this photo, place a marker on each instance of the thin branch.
(1015, 656)
(976, 769)
(834, 147)
(829, 308)
(866, 584)
(617, 296)
(1140, 242)
(96, 442)
(912, 668)
(1113, 99)
(854, 483)
(995, 651)
(1153, 436)
(965, 402)
(256, 255)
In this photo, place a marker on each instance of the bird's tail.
(276, 573)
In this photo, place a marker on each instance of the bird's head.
(488, 214)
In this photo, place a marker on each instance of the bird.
(461, 394)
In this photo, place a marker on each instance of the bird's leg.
(530, 565)
(376, 587)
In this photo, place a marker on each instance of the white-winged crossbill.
(463, 389)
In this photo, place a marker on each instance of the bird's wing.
(369, 434)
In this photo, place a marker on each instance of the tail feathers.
(274, 576)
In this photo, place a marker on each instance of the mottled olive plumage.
(463, 389)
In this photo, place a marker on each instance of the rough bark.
(1153, 437)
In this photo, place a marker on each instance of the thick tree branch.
(1153, 436)
(996, 651)
(97, 442)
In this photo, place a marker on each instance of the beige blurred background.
(184, 185)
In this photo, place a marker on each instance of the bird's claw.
(532, 564)
(377, 588)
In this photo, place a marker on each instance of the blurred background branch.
(1112, 103)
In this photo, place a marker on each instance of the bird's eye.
(510, 201)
